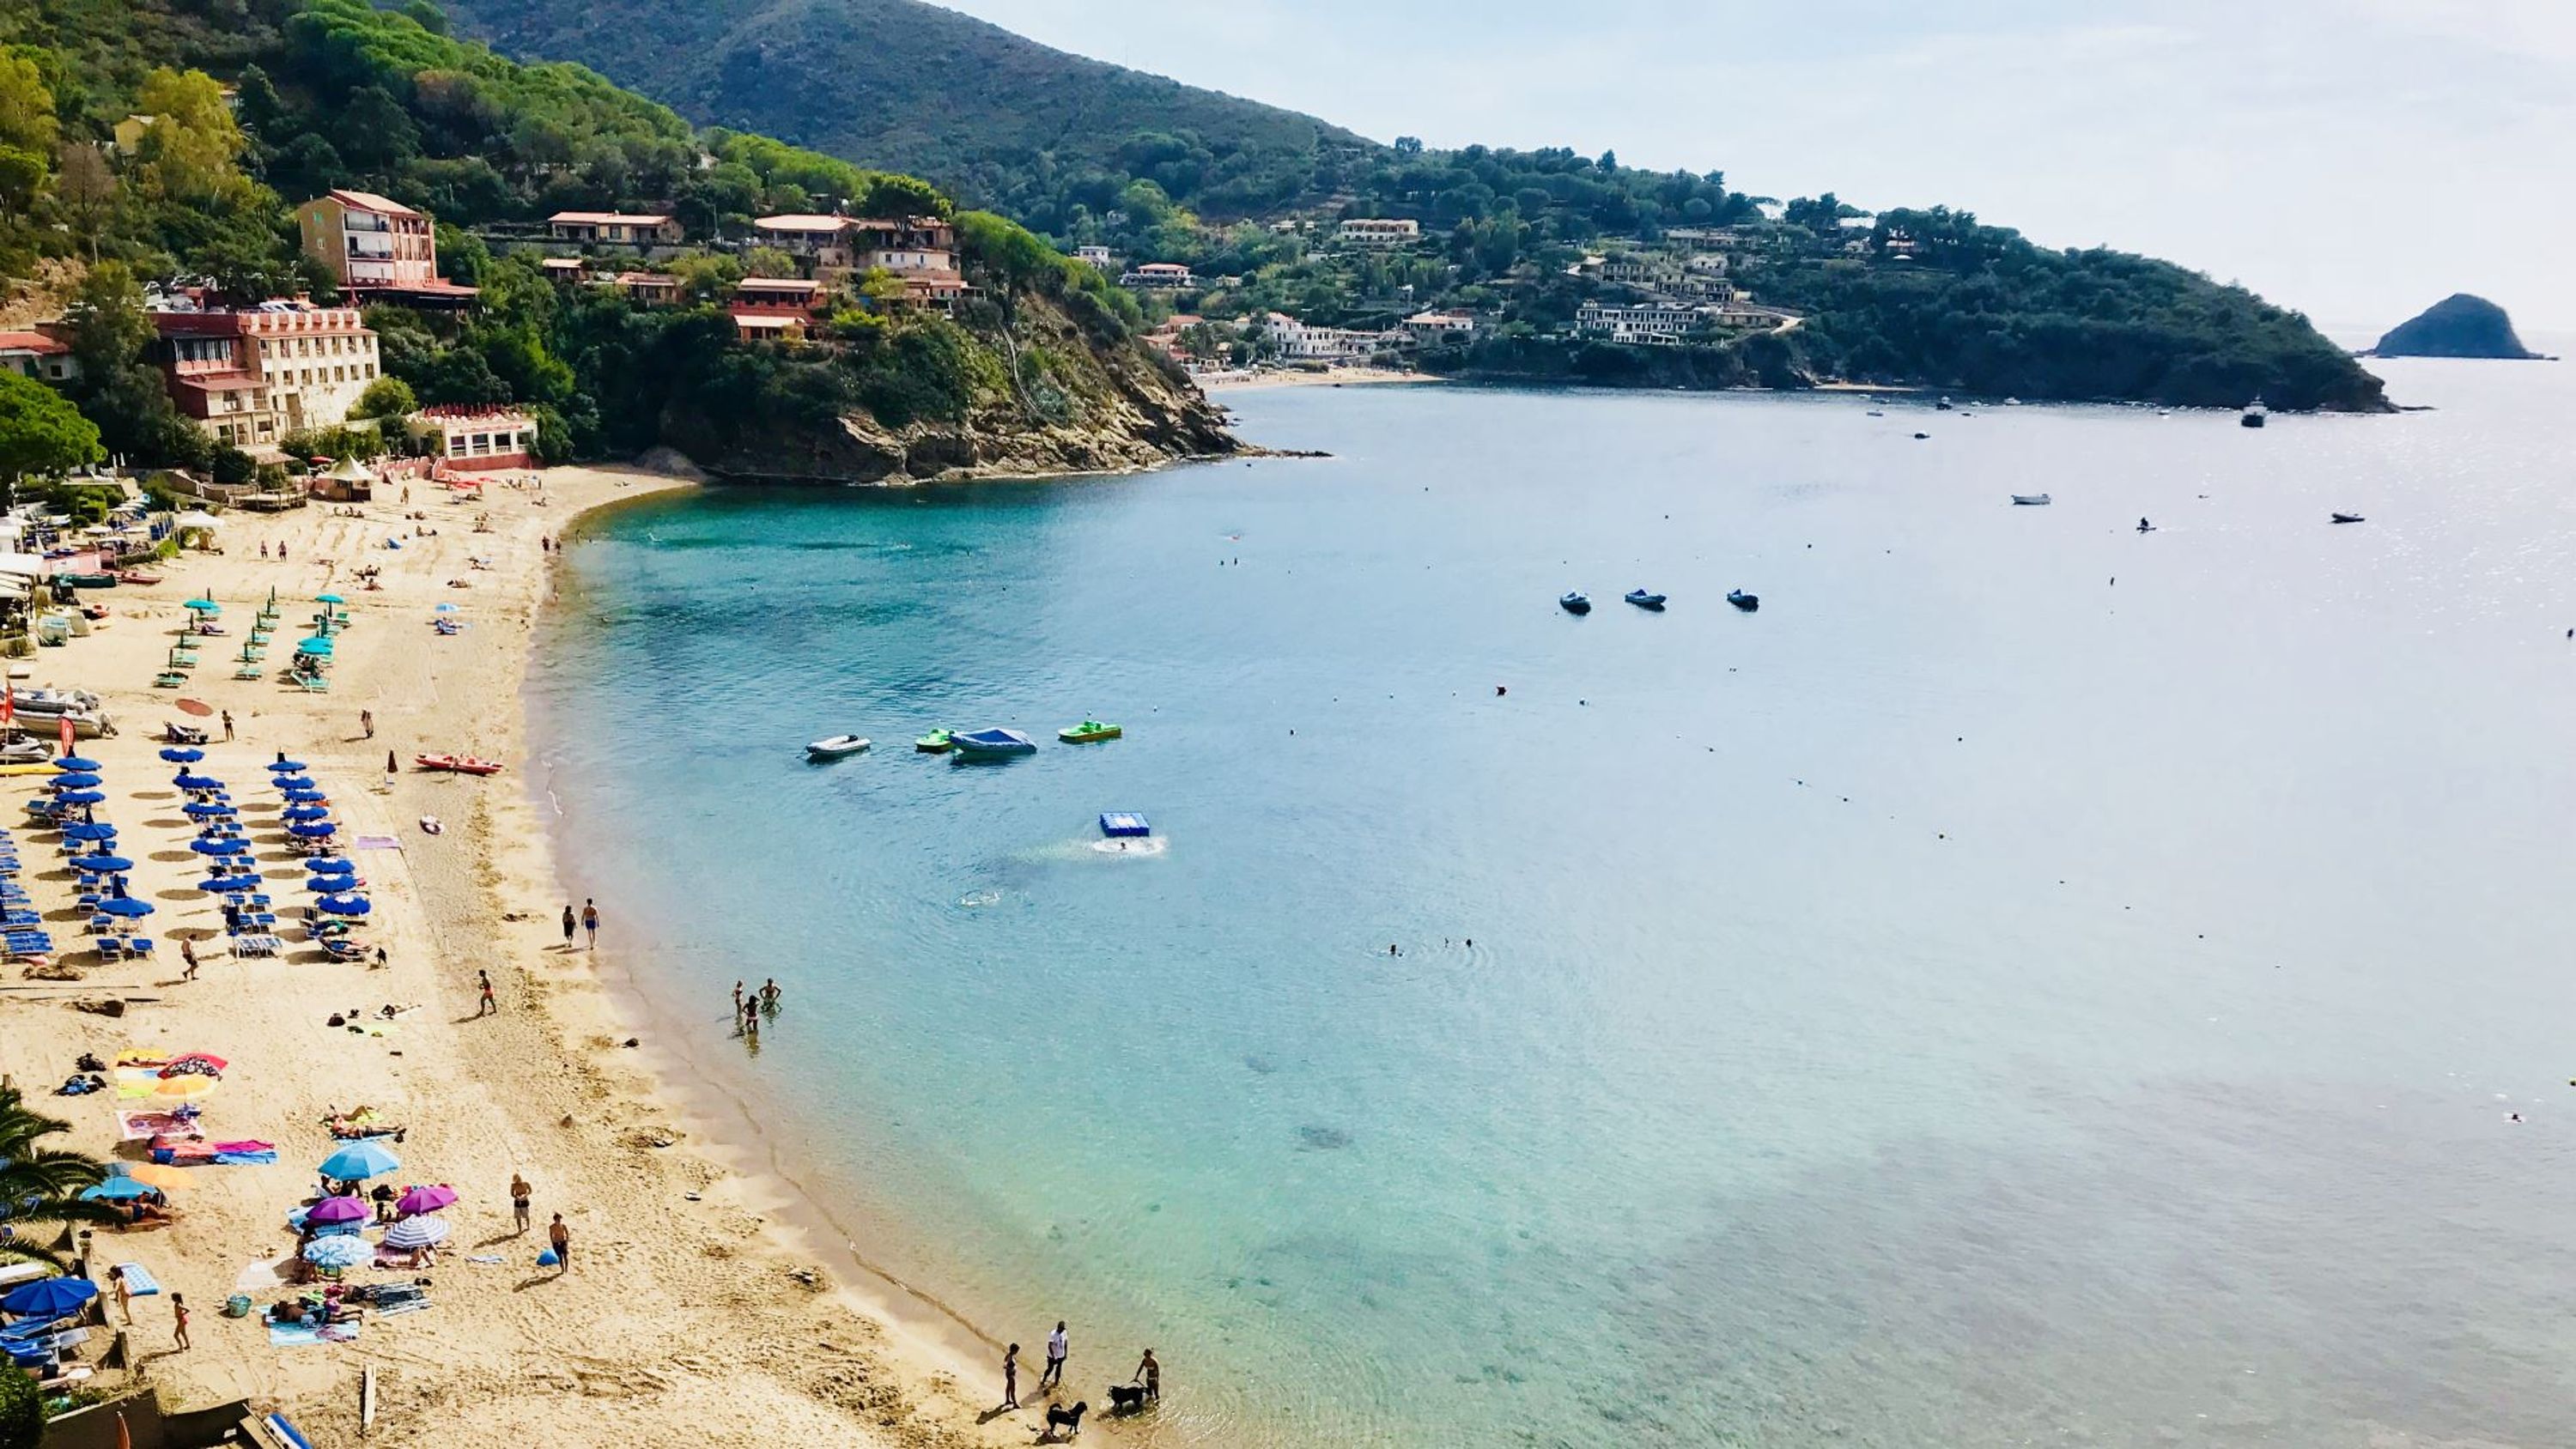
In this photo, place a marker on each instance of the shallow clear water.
(1971, 1001)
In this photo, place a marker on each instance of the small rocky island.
(2457, 326)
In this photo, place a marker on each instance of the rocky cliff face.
(2457, 326)
(1061, 401)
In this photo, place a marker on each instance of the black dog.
(1125, 1399)
(1069, 1420)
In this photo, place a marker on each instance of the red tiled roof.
(36, 342)
(369, 201)
(223, 381)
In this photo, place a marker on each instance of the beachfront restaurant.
(468, 436)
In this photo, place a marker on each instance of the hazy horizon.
(2357, 161)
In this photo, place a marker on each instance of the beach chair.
(250, 671)
(171, 679)
(313, 683)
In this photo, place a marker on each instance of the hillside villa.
(1377, 232)
(38, 354)
(1165, 275)
(921, 250)
(1663, 323)
(1298, 342)
(1454, 324)
(376, 249)
(614, 229)
(248, 378)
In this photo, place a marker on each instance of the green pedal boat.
(937, 742)
(1090, 731)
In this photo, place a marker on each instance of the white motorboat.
(2031, 500)
(835, 747)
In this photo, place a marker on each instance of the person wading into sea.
(590, 921)
(1150, 1374)
(570, 923)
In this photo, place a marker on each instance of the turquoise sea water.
(2033, 982)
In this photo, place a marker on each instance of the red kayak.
(458, 764)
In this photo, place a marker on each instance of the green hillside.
(1089, 154)
(257, 104)
(918, 88)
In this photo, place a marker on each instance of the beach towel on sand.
(138, 1282)
(305, 1335)
(264, 1276)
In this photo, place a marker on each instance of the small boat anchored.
(2255, 415)
(835, 747)
(937, 742)
(1090, 731)
(1742, 600)
(1651, 602)
(1575, 603)
(457, 764)
(2030, 500)
(992, 743)
(2344, 518)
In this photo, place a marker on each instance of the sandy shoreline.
(1217, 385)
(725, 1319)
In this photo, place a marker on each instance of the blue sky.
(2356, 159)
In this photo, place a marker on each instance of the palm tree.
(40, 1184)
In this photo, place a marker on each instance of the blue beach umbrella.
(329, 599)
(104, 864)
(363, 1158)
(89, 830)
(205, 606)
(204, 846)
(304, 795)
(286, 767)
(229, 885)
(320, 863)
(115, 1189)
(76, 762)
(54, 1297)
(317, 645)
(313, 829)
(126, 906)
(340, 1250)
(80, 797)
(76, 780)
(191, 780)
(343, 905)
(208, 810)
(304, 812)
(182, 755)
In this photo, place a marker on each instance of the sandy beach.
(1216, 384)
(698, 1308)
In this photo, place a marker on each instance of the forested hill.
(918, 88)
(1088, 154)
(237, 109)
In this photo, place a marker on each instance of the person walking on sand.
(1010, 1377)
(228, 726)
(561, 1238)
(367, 722)
(569, 924)
(179, 1319)
(1059, 1348)
(487, 1006)
(520, 1193)
(188, 955)
(124, 1293)
(1150, 1374)
(590, 920)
